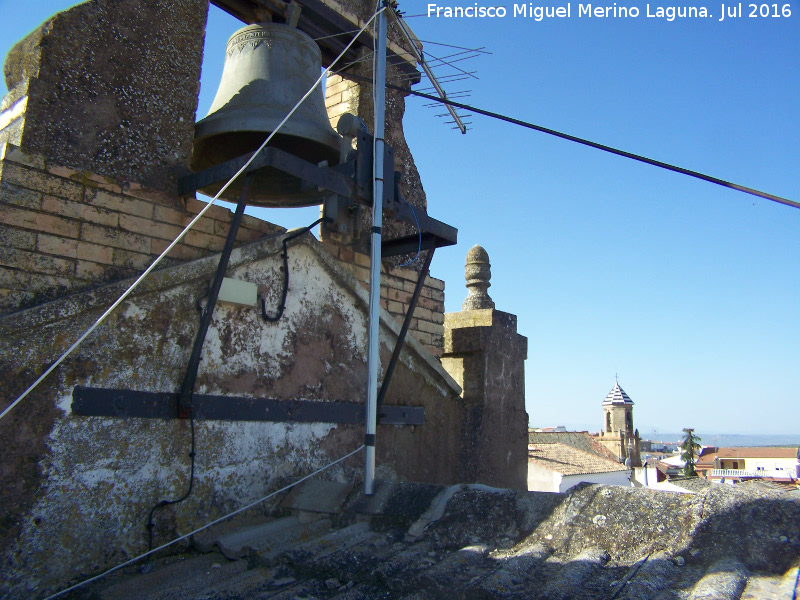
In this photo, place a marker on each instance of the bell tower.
(618, 434)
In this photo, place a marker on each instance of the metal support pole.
(373, 343)
(185, 399)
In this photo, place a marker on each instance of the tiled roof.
(580, 440)
(570, 461)
(617, 396)
(707, 459)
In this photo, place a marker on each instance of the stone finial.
(477, 272)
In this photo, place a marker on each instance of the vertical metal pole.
(373, 357)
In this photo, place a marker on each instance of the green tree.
(689, 448)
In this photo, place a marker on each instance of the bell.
(268, 68)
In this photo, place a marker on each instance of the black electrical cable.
(572, 138)
(282, 304)
(419, 234)
(150, 523)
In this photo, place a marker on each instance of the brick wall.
(64, 230)
(341, 96)
(397, 287)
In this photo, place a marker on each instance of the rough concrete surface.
(111, 87)
(488, 543)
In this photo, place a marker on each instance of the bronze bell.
(268, 68)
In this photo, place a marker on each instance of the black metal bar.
(401, 338)
(185, 400)
(324, 177)
(411, 243)
(102, 402)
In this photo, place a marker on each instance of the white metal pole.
(373, 357)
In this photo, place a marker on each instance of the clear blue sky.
(688, 291)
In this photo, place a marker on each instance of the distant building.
(618, 434)
(737, 464)
(555, 467)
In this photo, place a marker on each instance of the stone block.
(59, 246)
(149, 227)
(79, 210)
(18, 217)
(95, 253)
(198, 239)
(40, 181)
(131, 260)
(19, 196)
(119, 203)
(17, 238)
(105, 236)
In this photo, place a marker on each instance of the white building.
(557, 467)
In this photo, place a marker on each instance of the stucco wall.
(77, 490)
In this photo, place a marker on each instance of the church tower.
(618, 434)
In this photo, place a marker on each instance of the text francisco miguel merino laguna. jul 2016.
(669, 13)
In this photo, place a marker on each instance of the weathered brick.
(332, 99)
(433, 294)
(36, 263)
(13, 299)
(90, 271)
(40, 181)
(180, 251)
(423, 313)
(19, 196)
(59, 246)
(362, 260)
(339, 109)
(430, 327)
(392, 282)
(198, 239)
(79, 210)
(399, 296)
(13, 278)
(116, 202)
(115, 238)
(148, 227)
(216, 212)
(422, 336)
(95, 253)
(397, 307)
(182, 219)
(10, 237)
(45, 283)
(131, 260)
(337, 87)
(346, 254)
(436, 284)
(28, 219)
(15, 154)
(437, 317)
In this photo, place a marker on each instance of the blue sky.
(686, 290)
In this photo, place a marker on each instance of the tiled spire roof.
(617, 396)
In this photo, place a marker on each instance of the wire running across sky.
(591, 144)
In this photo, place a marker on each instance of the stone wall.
(65, 230)
(109, 87)
(77, 490)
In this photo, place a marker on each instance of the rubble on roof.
(419, 541)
